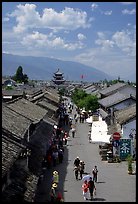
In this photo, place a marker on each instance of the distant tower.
(58, 78)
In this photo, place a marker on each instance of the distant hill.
(43, 68)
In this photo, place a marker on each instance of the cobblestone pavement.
(114, 184)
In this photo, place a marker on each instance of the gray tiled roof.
(12, 92)
(10, 152)
(14, 122)
(52, 91)
(51, 97)
(128, 89)
(47, 105)
(113, 99)
(103, 113)
(126, 114)
(112, 88)
(33, 90)
(28, 109)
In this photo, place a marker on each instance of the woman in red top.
(85, 190)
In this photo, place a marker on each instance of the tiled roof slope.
(14, 122)
(126, 114)
(10, 152)
(113, 99)
(28, 109)
(112, 88)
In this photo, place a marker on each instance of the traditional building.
(58, 78)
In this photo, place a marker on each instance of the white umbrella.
(89, 120)
(86, 177)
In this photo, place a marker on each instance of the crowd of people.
(88, 186)
(55, 152)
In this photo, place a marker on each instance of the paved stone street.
(114, 183)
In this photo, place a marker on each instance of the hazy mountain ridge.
(43, 68)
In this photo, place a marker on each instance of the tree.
(19, 76)
(82, 99)
(25, 78)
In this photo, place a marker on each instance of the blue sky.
(98, 34)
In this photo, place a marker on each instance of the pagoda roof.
(58, 72)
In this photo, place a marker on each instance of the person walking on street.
(95, 172)
(55, 178)
(76, 170)
(53, 193)
(89, 136)
(85, 190)
(91, 187)
(77, 161)
(73, 131)
(81, 168)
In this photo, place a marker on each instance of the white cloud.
(105, 43)
(81, 36)
(129, 12)
(101, 35)
(94, 6)
(6, 19)
(40, 40)
(108, 13)
(125, 42)
(110, 62)
(67, 19)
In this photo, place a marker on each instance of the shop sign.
(125, 148)
(115, 143)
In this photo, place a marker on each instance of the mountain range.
(43, 68)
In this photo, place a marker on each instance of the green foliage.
(82, 99)
(19, 76)
(8, 88)
(25, 78)
(129, 160)
(78, 95)
(62, 91)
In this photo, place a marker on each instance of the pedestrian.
(89, 136)
(73, 131)
(55, 177)
(65, 138)
(75, 115)
(83, 166)
(59, 197)
(53, 193)
(95, 172)
(60, 155)
(81, 169)
(49, 160)
(91, 187)
(85, 190)
(76, 170)
(77, 161)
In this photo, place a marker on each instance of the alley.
(114, 183)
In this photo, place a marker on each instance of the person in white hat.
(55, 177)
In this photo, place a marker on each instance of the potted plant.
(129, 162)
